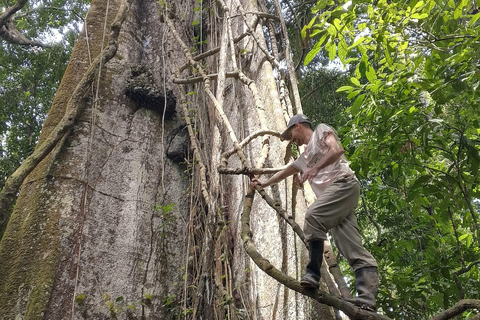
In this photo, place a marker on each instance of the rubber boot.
(312, 276)
(366, 283)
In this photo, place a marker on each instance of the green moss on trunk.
(30, 250)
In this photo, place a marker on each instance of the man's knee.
(315, 224)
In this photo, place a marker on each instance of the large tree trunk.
(115, 221)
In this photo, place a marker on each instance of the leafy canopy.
(29, 75)
(413, 139)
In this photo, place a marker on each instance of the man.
(337, 190)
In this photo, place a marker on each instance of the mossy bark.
(30, 251)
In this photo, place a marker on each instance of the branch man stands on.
(337, 191)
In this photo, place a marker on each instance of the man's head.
(298, 129)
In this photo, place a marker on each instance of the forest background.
(400, 83)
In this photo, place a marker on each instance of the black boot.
(366, 283)
(311, 278)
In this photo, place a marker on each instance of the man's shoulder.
(323, 127)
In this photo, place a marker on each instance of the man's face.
(296, 134)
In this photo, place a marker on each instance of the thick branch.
(278, 208)
(11, 11)
(9, 33)
(249, 171)
(458, 308)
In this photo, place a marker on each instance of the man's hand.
(308, 174)
(256, 182)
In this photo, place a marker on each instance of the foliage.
(28, 81)
(319, 99)
(413, 139)
(29, 76)
(166, 213)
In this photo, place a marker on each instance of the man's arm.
(335, 150)
(277, 177)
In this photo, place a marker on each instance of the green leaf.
(332, 30)
(362, 67)
(421, 181)
(419, 16)
(353, 94)
(321, 4)
(149, 297)
(342, 50)
(337, 24)
(356, 105)
(355, 81)
(371, 75)
(356, 43)
(308, 27)
(388, 57)
(315, 50)
(459, 9)
(345, 88)
(474, 19)
(195, 22)
(463, 236)
(332, 49)
(418, 6)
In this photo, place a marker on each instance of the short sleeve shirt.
(315, 150)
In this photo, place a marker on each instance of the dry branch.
(196, 150)
(334, 269)
(212, 51)
(370, 217)
(250, 30)
(200, 79)
(288, 58)
(229, 153)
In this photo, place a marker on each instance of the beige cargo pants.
(334, 211)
